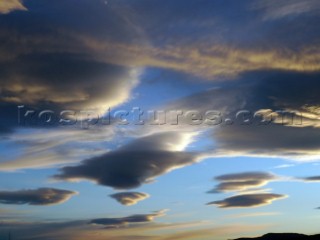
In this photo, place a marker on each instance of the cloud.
(213, 62)
(284, 8)
(231, 231)
(106, 53)
(248, 200)
(133, 219)
(245, 176)
(7, 6)
(213, 52)
(215, 25)
(255, 214)
(311, 179)
(246, 185)
(134, 164)
(66, 81)
(285, 166)
(44, 148)
(242, 181)
(28, 230)
(273, 140)
(45, 66)
(41, 196)
(80, 229)
(129, 198)
(265, 119)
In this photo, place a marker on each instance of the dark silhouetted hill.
(284, 236)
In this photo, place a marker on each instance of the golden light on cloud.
(160, 232)
(113, 110)
(251, 215)
(7, 6)
(208, 61)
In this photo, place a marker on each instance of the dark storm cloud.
(248, 200)
(119, 222)
(137, 163)
(242, 181)
(41, 196)
(129, 198)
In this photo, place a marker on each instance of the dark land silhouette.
(284, 236)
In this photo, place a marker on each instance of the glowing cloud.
(129, 198)
(7, 6)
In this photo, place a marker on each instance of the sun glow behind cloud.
(110, 180)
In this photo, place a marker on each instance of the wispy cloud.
(133, 219)
(277, 9)
(250, 215)
(140, 230)
(285, 166)
(45, 148)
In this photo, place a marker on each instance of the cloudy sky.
(159, 120)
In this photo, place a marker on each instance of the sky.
(159, 120)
